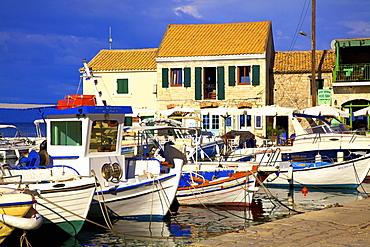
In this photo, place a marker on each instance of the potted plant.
(274, 133)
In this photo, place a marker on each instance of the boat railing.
(272, 158)
(11, 178)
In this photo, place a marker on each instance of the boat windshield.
(104, 136)
(339, 128)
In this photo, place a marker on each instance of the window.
(228, 121)
(66, 133)
(245, 121)
(211, 123)
(206, 122)
(215, 122)
(244, 75)
(122, 86)
(104, 136)
(258, 124)
(176, 77)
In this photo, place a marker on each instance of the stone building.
(292, 76)
(216, 65)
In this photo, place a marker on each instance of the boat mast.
(88, 76)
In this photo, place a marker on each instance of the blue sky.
(43, 43)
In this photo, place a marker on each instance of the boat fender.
(22, 223)
(272, 176)
(290, 173)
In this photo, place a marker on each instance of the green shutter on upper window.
(255, 75)
(220, 83)
(231, 75)
(187, 77)
(198, 83)
(122, 86)
(164, 77)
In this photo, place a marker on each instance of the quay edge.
(346, 225)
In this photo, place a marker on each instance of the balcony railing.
(352, 72)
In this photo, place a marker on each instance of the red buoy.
(304, 191)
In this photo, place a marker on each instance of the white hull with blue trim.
(237, 189)
(347, 174)
(145, 196)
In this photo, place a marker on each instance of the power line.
(300, 23)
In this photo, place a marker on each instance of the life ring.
(112, 123)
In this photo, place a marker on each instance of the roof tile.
(300, 61)
(133, 59)
(215, 39)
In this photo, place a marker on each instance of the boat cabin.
(87, 137)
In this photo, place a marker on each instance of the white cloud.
(358, 27)
(189, 10)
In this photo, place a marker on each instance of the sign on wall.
(324, 96)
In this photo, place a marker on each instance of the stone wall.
(293, 90)
(185, 96)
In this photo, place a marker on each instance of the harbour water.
(192, 224)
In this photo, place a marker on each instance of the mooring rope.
(24, 239)
(268, 193)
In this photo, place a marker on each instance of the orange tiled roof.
(215, 39)
(135, 59)
(300, 61)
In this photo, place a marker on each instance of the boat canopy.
(92, 110)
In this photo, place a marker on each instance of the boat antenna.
(110, 38)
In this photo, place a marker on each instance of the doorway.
(210, 82)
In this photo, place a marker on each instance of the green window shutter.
(128, 121)
(255, 75)
(164, 77)
(187, 77)
(198, 83)
(220, 83)
(122, 86)
(231, 75)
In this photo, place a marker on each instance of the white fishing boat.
(346, 174)
(322, 135)
(63, 196)
(89, 139)
(17, 211)
(237, 189)
(221, 183)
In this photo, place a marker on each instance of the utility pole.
(313, 55)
